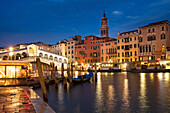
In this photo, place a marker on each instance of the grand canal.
(114, 93)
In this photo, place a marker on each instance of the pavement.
(15, 100)
(22, 99)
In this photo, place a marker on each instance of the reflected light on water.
(125, 96)
(151, 76)
(142, 97)
(166, 76)
(99, 94)
(160, 76)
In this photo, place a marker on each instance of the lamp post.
(11, 53)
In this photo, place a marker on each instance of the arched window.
(153, 30)
(102, 59)
(51, 57)
(163, 36)
(60, 60)
(163, 48)
(46, 56)
(106, 58)
(24, 54)
(18, 56)
(5, 57)
(65, 61)
(153, 48)
(55, 59)
(40, 55)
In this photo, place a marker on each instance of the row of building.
(145, 44)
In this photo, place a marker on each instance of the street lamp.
(11, 53)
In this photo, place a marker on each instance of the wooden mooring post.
(41, 78)
(62, 73)
(56, 78)
(69, 76)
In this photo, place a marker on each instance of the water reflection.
(99, 95)
(143, 100)
(125, 105)
(114, 93)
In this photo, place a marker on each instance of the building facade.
(108, 51)
(127, 46)
(71, 48)
(59, 48)
(154, 40)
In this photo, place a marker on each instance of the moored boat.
(83, 78)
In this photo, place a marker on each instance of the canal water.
(114, 93)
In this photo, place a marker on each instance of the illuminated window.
(163, 48)
(153, 48)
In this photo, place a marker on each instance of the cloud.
(132, 17)
(117, 12)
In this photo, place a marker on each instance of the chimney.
(59, 41)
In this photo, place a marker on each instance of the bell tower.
(104, 28)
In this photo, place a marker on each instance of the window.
(163, 48)
(118, 41)
(130, 45)
(143, 48)
(140, 49)
(126, 39)
(122, 47)
(118, 47)
(163, 28)
(91, 47)
(149, 30)
(122, 40)
(134, 45)
(71, 46)
(134, 38)
(149, 48)
(126, 54)
(118, 55)
(135, 53)
(122, 54)
(131, 53)
(106, 51)
(140, 39)
(140, 31)
(146, 48)
(153, 48)
(153, 30)
(163, 36)
(102, 51)
(130, 39)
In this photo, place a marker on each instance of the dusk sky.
(48, 21)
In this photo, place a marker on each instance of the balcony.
(145, 54)
(111, 53)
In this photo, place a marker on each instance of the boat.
(82, 78)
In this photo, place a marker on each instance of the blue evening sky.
(48, 21)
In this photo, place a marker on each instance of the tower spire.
(104, 15)
(104, 28)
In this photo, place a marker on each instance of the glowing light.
(2, 74)
(11, 53)
(11, 49)
(167, 76)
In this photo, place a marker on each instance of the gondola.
(82, 78)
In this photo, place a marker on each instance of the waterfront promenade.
(21, 100)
